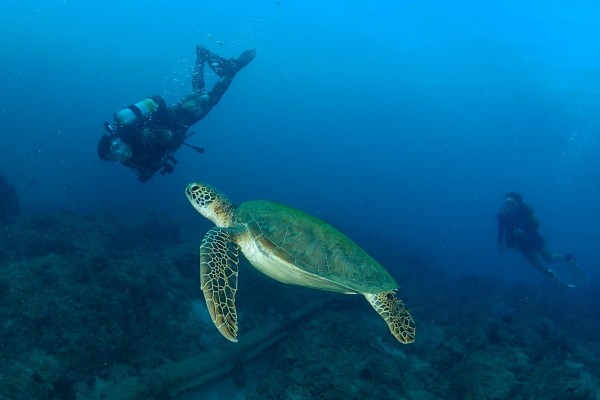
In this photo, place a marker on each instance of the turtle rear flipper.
(218, 279)
(392, 310)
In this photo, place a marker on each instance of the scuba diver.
(518, 228)
(146, 135)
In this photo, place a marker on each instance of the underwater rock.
(78, 298)
(482, 375)
(94, 304)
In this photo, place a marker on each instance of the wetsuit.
(519, 229)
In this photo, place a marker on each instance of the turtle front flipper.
(218, 279)
(392, 310)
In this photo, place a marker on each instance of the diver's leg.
(225, 66)
(218, 90)
(198, 76)
(244, 59)
(220, 65)
(221, 86)
(552, 257)
(574, 268)
(533, 259)
(578, 273)
(195, 106)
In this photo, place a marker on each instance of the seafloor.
(103, 307)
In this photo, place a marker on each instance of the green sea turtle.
(292, 247)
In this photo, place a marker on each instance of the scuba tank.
(137, 112)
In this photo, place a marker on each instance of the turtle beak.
(210, 203)
(204, 200)
(198, 196)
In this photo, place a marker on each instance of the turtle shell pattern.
(312, 245)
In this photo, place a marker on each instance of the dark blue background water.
(403, 123)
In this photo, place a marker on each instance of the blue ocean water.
(402, 123)
(398, 121)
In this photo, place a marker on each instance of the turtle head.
(211, 203)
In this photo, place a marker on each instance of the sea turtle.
(292, 247)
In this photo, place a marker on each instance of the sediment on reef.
(109, 307)
(176, 377)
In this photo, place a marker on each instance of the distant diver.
(146, 135)
(518, 229)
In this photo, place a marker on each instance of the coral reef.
(105, 306)
(540, 345)
(79, 296)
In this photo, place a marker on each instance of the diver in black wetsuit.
(518, 229)
(146, 135)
